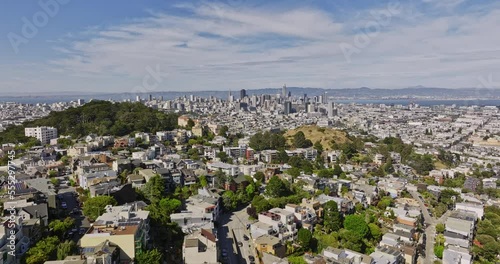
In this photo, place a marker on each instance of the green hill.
(324, 135)
(99, 117)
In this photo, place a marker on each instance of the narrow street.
(430, 230)
(231, 231)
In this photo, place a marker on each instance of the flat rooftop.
(113, 231)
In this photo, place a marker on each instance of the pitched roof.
(39, 210)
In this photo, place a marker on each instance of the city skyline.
(152, 47)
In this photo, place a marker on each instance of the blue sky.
(148, 46)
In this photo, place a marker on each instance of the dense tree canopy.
(67, 248)
(267, 140)
(44, 250)
(259, 176)
(488, 236)
(229, 200)
(356, 224)
(276, 187)
(260, 204)
(94, 207)
(223, 131)
(421, 163)
(304, 237)
(59, 227)
(154, 189)
(153, 256)
(332, 219)
(99, 117)
(300, 140)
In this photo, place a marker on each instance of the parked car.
(245, 237)
(240, 244)
(224, 252)
(64, 205)
(251, 258)
(82, 230)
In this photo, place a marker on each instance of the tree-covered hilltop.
(99, 117)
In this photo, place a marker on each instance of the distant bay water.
(423, 102)
(121, 97)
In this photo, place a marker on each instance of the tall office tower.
(150, 98)
(168, 105)
(320, 99)
(310, 108)
(305, 98)
(288, 107)
(243, 93)
(253, 100)
(306, 107)
(331, 109)
(137, 98)
(80, 101)
(325, 98)
(180, 107)
(230, 97)
(191, 97)
(289, 94)
(161, 98)
(283, 91)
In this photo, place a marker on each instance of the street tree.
(304, 237)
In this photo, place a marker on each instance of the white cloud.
(231, 47)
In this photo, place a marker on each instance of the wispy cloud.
(221, 46)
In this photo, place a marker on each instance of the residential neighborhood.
(248, 181)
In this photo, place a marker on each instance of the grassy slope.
(315, 133)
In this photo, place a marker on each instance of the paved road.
(430, 231)
(68, 196)
(231, 231)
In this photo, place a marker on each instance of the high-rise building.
(288, 107)
(243, 93)
(191, 97)
(80, 101)
(310, 108)
(325, 98)
(253, 100)
(331, 109)
(43, 134)
(283, 91)
(137, 98)
(150, 97)
(230, 98)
